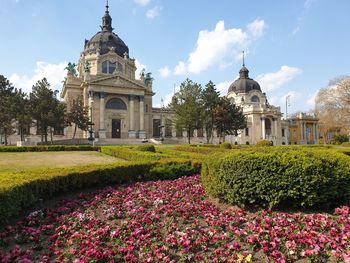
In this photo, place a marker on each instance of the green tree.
(210, 99)
(7, 109)
(187, 105)
(229, 119)
(57, 120)
(78, 115)
(23, 117)
(45, 108)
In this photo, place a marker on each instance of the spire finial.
(243, 59)
(107, 20)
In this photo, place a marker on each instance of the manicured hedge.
(226, 145)
(19, 191)
(279, 177)
(264, 143)
(48, 148)
(129, 153)
(146, 148)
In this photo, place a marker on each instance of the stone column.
(315, 133)
(102, 130)
(132, 133)
(263, 127)
(142, 133)
(275, 132)
(91, 104)
(301, 132)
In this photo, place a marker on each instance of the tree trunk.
(45, 135)
(41, 135)
(75, 131)
(51, 132)
(208, 135)
(189, 136)
(22, 134)
(5, 136)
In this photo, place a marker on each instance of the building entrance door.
(116, 128)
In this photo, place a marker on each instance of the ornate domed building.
(120, 106)
(263, 120)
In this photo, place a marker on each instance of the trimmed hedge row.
(131, 154)
(48, 148)
(281, 177)
(23, 190)
(146, 148)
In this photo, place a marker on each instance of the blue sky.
(292, 47)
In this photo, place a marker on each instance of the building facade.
(303, 129)
(264, 121)
(120, 106)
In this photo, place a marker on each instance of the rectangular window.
(283, 133)
(246, 131)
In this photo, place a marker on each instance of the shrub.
(48, 148)
(289, 177)
(264, 143)
(346, 144)
(130, 154)
(146, 148)
(339, 139)
(23, 190)
(226, 145)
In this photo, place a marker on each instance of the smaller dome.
(244, 84)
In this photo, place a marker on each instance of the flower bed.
(171, 221)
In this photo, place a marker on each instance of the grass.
(23, 161)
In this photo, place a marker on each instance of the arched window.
(109, 67)
(255, 99)
(116, 104)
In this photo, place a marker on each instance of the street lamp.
(91, 137)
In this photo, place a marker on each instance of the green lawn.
(21, 161)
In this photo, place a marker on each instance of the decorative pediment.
(117, 81)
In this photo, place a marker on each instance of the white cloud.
(142, 2)
(167, 99)
(219, 46)
(139, 67)
(153, 12)
(54, 73)
(308, 3)
(292, 95)
(180, 69)
(274, 80)
(256, 28)
(311, 99)
(222, 87)
(164, 72)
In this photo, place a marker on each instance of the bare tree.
(332, 106)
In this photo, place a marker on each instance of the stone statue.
(71, 69)
(142, 73)
(86, 66)
(148, 78)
